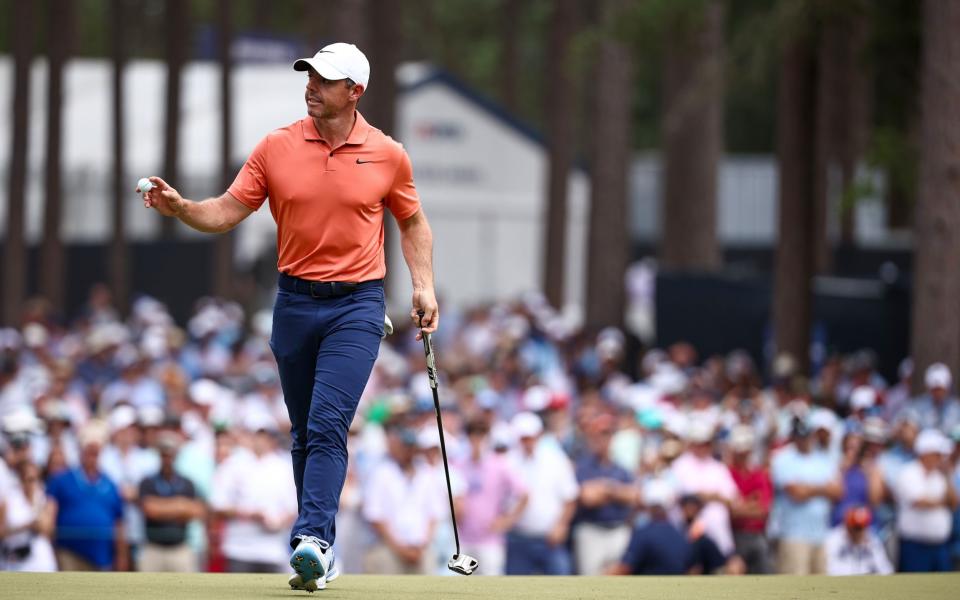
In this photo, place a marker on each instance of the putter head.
(463, 564)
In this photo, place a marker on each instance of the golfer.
(329, 177)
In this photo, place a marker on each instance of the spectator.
(750, 510)
(697, 472)
(27, 519)
(926, 499)
(402, 504)
(90, 531)
(659, 547)
(897, 397)
(253, 491)
(852, 548)
(495, 498)
(805, 482)
(169, 503)
(937, 409)
(706, 558)
(607, 499)
(538, 542)
(862, 482)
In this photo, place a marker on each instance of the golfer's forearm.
(416, 241)
(213, 215)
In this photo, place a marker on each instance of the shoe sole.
(309, 566)
(296, 581)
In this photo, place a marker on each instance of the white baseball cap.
(338, 61)
(658, 492)
(931, 441)
(938, 376)
(526, 425)
(823, 418)
(863, 397)
(741, 438)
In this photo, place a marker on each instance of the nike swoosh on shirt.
(360, 161)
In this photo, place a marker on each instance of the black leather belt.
(324, 289)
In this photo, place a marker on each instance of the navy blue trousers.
(529, 555)
(919, 557)
(325, 349)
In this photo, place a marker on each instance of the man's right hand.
(162, 197)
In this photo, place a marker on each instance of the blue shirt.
(807, 521)
(87, 512)
(855, 493)
(612, 513)
(657, 548)
(931, 415)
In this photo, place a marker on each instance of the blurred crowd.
(140, 443)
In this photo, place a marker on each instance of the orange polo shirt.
(328, 202)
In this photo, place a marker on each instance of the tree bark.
(223, 272)
(843, 89)
(692, 126)
(384, 53)
(52, 258)
(178, 40)
(350, 23)
(118, 264)
(560, 110)
(936, 289)
(795, 156)
(608, 246)
(14, 249)
(509, 72)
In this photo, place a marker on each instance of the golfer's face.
(325, 97)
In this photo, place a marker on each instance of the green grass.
(135, 586)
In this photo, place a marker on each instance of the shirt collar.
(358, 135)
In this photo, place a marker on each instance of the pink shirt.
(698, 476)
(492, 486)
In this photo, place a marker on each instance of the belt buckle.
(315, 288)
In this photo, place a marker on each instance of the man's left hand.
(425, 301)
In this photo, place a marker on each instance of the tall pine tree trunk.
(52, 257)
(14, 248)
(936, 289)
(560, 110)
(223, 273)
(119, 266)
(510, 67)
(692, 126)
(608, 244)
(177, 39)
(795, 157)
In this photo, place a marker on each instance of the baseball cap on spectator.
(863, 397)
(700, 432)
(35, 335)
(931, 441)
(857, 517)
(58, 410)
(526, 425)
(676, 423)
(150, 416)
(21, 422)
(937, 376)
(536, 398)
(741, 438)
(875, 430)
(256, 421)
(204, 392)
(168, 442)
(338, 61)
(427, 438)
(822, 418)
(501, 436)
(658, 492)
(668, 380)
(95, 432)
(122, 417)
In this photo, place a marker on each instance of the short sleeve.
(250, 185)
(54, 485)
(148, 487)
(780, 471)
(402, 199)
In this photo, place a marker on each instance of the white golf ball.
(144, 185)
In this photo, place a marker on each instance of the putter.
(459, 563)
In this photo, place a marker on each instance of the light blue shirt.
(807, 521)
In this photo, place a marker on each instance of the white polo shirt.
(247, 483)
(927, 525)
(551, 483)
(408, 505)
